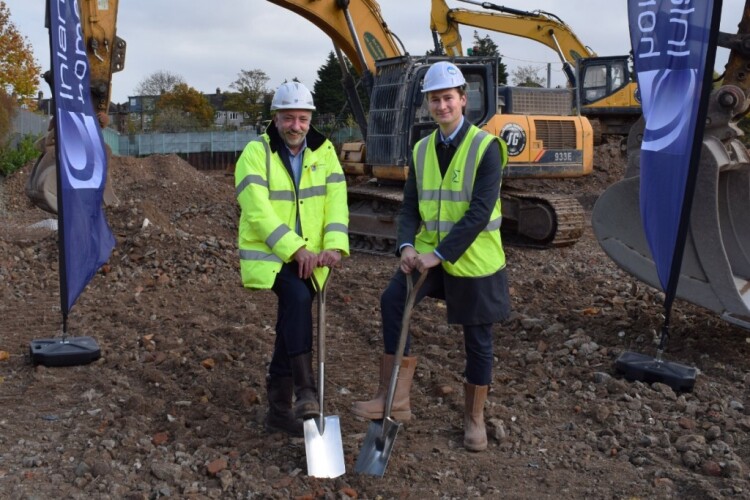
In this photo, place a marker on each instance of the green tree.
(184, 108)
(484, 46)
(251, 86)
(158, 83)
(327, 90)
(19, 72)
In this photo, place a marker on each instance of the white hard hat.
(292, 95)
(442, 75)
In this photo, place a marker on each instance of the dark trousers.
(294, 322)
(477, 338)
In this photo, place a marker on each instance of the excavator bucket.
(715, 270)
(41, 185)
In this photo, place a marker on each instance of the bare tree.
(159, 83)
(528, 76)
(251, 87)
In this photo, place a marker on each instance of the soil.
(175, 405)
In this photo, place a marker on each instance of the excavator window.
(603, 79)
(595, 83)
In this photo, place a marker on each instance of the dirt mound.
(174, 408)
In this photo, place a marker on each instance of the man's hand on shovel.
(329, 258)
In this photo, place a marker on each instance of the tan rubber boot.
(401, 410)
(475, 434)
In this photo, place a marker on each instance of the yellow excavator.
(554, 144)
(106, 55)
(715, 271)
(603, 87)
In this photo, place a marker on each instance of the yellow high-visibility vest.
(444, 200)
(269, 205)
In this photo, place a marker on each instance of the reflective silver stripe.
(452, 196)
(446, 226)
(311, 192)
(281, 195)
(256, 179)
(257, 255)
(337, 227)
(471, 164)
(277, 234)
(419, 163)
(250, 179)
(494, 225)
(430, 195)
(336, 178)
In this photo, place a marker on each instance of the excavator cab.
(397, 103)
(606, 92)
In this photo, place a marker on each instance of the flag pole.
(80, 175)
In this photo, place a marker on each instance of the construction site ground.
(175, 406)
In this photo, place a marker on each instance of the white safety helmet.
(292, 95)
(442, 75)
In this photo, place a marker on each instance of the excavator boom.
(372, 39)
(537, 26)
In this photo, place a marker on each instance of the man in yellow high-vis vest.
(293, 224)
(449, 224)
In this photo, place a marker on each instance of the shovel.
(378, 444)
(323, 447)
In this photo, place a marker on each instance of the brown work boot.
(475, 434)
(401, 409)
(280, 416)
(306, 406)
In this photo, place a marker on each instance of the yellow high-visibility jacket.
(270, 203)
(443, 200)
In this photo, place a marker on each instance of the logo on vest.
(455, 176)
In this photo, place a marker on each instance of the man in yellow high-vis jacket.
(449, 224)
(293, 224)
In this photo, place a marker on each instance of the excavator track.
(373, 211)
(539, 220)
(530, 219)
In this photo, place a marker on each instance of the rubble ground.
(174, 408)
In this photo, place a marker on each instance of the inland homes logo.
(83, 159)
(667, 74)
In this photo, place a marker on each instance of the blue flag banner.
(672, 52)
(86, 241)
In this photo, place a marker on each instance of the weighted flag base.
(635, 366)
(68, 352)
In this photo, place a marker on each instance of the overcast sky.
(209, 45)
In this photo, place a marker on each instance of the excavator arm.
(106, 55)
(363, 44)
(538, 26)
(106, 51)
(604, 91)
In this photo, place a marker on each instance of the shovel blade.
(377, 447)
(324, 450)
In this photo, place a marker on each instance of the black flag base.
(636, 366)
(69, 351)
